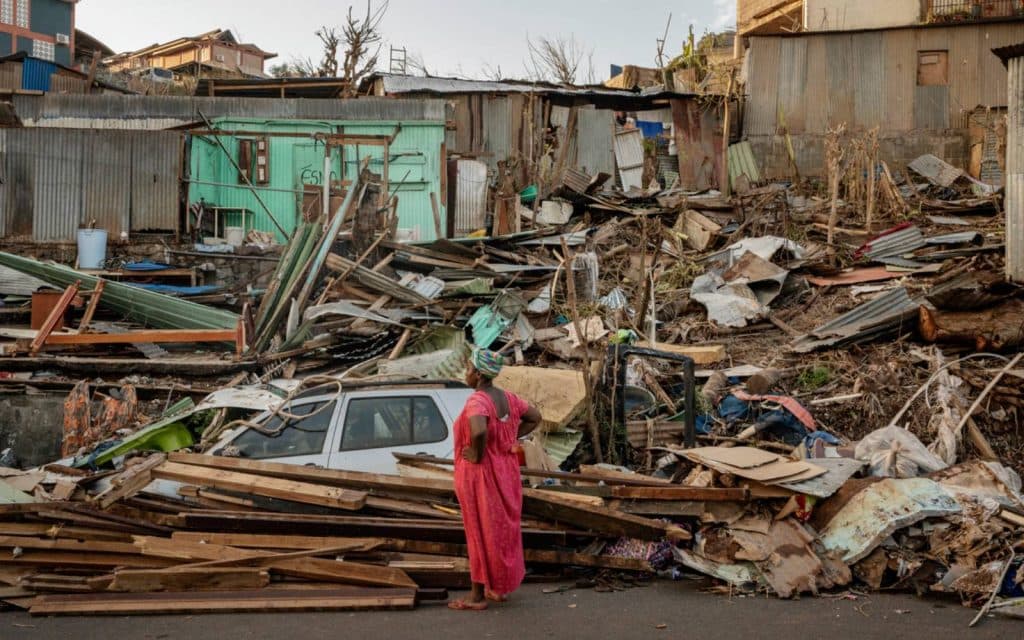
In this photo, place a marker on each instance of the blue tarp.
(175, 291)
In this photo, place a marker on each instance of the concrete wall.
(32, 424)
(50, 17)
(843, 15)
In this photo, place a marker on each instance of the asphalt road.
(663, 610)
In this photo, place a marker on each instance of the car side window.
(288, 437)
(375, 423)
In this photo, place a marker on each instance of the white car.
(356, 429)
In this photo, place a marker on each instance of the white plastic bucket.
(235, 236)
(92, 248)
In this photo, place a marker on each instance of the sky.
(452, 37)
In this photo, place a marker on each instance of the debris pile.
(808, 381)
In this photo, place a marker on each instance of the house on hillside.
(43, 29)
(920, 70)
(215, 54)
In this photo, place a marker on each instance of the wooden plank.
(694, 494)
(659, 508)
(309, 568)
(41, 529)
(567, 559)
(129, 482)
(175, 579)
(94, 302)
(364, 481)
(346, 526)
(59, 309)
(181, 336)
(291, 490)
(77, 560)
(602, 521)
(701, 354)
(84, 547)
(265, 600)
(264, 542)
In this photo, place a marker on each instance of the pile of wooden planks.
(186, 533)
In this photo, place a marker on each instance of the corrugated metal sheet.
(15, 283)
(470, 197)
(57, 183)
(839, 54)
(1015, 171)
(742, 163)
(35, 74)
(931, 107)
(497, 123)
(56, 179)
(869, 78)
(869, 100)
(793, 85)
(900, 80)
(629, 157)
(595, 149)
(163, 112)
(156, 169)
(763, 94)
(106, 180)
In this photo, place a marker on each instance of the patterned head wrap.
(487, 363)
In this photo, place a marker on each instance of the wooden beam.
(181, 336)
(694, 494)
(599, 520)
(59, 309)
(365, 481)
(265, 600)
(129, 482)
(94, 302)
(175, 579)
(291, 490)
(308, 568)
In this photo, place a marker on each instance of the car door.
(301, 434)
(375, 425)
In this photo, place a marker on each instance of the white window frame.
(7, 11)
(23, 14)
(44, 50)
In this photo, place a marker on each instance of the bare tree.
(330, 40)
(415, 65)
(362, 39)
(296, 68)
(558, 59)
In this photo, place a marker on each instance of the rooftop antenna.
(661, 43)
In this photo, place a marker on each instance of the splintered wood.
(244, 535)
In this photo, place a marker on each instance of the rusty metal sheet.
(880, 510)
(936, 170)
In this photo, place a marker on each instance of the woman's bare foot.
(467, 605)
(495, 597)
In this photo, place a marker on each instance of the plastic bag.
(894, 452)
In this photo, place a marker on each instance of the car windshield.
(300, 430)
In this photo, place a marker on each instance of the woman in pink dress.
(487, 482)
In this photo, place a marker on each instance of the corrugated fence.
(56, 179)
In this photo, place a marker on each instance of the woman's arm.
(474, 453)
(529, 422)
